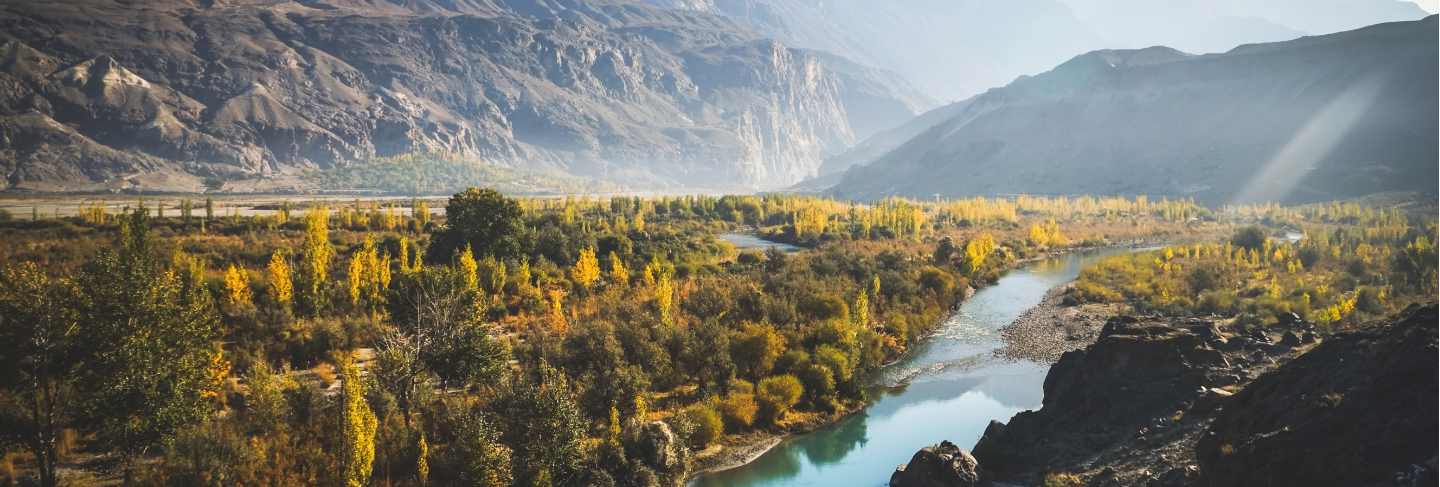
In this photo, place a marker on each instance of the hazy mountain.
(954, 49)
(1315, 118)
(161, 94)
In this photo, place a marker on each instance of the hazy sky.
(1431, 6)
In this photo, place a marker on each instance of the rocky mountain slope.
(1316, 118)
(1197, 403)
(162, 95)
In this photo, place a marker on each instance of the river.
(949, 388)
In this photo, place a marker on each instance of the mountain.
(955, 49)
(258, 94)
(950, 49)
(1315, 118)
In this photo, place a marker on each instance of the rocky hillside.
(1316, 118)
(165, 94)
(1198, 403)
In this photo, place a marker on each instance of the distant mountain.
(1315, 118)
(955, 49)
(166, 94)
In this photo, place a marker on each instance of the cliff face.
(1316, 118)
(161, 94)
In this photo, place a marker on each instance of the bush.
(738, 411)
(1063, 480)
(706, 423)
(1250, 238)
(777, 395)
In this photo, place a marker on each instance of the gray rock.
(943, 465)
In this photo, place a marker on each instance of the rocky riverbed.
(1054, 327)
(1172, 402)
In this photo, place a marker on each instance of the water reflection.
(949, 389)
(744, 241)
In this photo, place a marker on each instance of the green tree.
(150, 357)
(483, 218)
(39, 324)
(1250, 238)
(544, 426)
(755, 350)
(706, 423)
(478, 456)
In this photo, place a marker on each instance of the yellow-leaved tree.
(618, 273)
(317, 252)
(357, 427)
(237, 287)
(587, 268)
(469, 268)
(282, 285)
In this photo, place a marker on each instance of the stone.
(943, 465)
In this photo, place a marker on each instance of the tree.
(756, 349)
(665, 299)
(586, 271)
(482, 218)
(777, 395)
(150, 364)
(480, 459)
(282, 285)
(469, 268)
(707, 425)
(544, 426)
(317, 254)
(437, 331)
(707, 356)
(357, 427)
(39, 324)
(977, 250)
(618, 273)
(237, 287)
(1250, 238)
(493, 274)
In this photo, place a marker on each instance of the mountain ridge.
(265, 92)
(1329, 116)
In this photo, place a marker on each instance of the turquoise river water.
(949, 388)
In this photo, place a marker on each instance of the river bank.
(954, 366)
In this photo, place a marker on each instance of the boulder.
(943, 465)
(656, 445)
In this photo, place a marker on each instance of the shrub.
(1063, 480)
(706, 423)
(777, 394)
(738, 411)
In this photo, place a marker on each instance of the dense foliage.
(537, 342)
(1343, 264)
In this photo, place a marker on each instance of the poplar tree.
(357, 427)
(317, 254)
(282, 287)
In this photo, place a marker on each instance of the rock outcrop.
(1160, 403)
(1360, 409)
(97, 94)
(943, 465)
